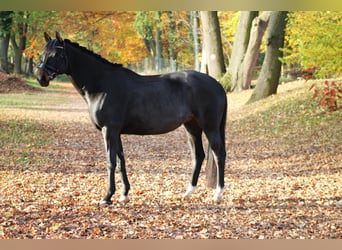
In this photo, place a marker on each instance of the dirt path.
(273, 189)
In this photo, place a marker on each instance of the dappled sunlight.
(282, 181)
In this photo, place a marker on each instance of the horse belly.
(156, 122)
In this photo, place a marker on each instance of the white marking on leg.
(189, 191)
(124, 198)
(218, 194)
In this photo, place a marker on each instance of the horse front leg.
(111, 139)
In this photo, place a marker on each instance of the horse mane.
(89, 52)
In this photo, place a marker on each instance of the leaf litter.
(277, 187)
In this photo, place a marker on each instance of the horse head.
(54, 60)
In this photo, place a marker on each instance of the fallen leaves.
(276, 186)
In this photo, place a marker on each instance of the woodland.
(282, 74)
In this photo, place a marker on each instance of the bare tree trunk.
(213, 43)
(4, 43)
(19, 47)
(172, 40)
(270, 72)
(195, 33)
(159, 45)
(204, 63)
(240, 46)
(259, 26)
(5, 29)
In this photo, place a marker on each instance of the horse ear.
(47, 37)
(58, 36)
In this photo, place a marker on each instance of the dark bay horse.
(123, 102)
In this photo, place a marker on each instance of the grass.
(21, 141)
(33, 82)
(283, 176)
(292, 118)
(32, 100)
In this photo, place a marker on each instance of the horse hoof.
(124, 199)
(217, 199)
(218, 195)
(186, 197)
(105, 203)
(189, 191)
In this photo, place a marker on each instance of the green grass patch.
(39, 100)
(294, 121)
(22, 142)
(34, 100)
(33, 82)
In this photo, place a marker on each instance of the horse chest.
(96, 107)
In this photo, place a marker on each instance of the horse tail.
(223, 123)
(211, 169)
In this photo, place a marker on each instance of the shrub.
(226, 82)
(328, 95)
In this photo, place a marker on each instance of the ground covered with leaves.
(283, 173)
(12, 83)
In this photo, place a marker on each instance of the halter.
(51, 71)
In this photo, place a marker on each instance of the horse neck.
(84, 69)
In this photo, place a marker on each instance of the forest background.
(162, 41)
(284, 159)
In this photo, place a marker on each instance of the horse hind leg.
(194, 133)
(217, 145)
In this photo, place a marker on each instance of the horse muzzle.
(42, 77)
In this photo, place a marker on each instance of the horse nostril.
(52, 76)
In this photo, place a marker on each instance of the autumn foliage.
(328, 95)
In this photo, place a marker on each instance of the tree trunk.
(144, 27)
(259, 26)
(268, 80)
(5, 29)
(172, 41)
(19, 48)
(30, 67)
(195, 34)
(204, 63)
(17, 55)
(4, 43)
(213, 43)
(240, 45)
(159, 45)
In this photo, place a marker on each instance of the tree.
(159, 45)
(18, 38)
(143, 25)
(314, 38)
(268, 80)
(195, 33)
(5, 31)
(240, 45)
(245, 73)
(213, 44)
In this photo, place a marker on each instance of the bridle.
(52, 71)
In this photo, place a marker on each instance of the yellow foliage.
(315, 38)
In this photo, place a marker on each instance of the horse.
(121, 101)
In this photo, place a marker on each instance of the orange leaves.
(109, 34)
(278, 185)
